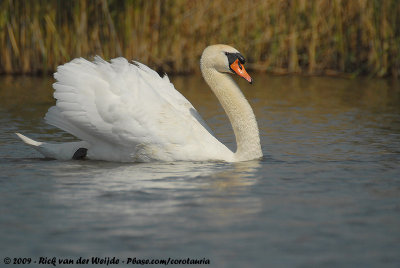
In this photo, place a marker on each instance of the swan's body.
(127, 113)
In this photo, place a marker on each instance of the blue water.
(326, 193)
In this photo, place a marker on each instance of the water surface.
(326, 193)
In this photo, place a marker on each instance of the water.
(326, 193)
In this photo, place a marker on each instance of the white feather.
(126, 112)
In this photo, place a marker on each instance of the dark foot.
(80, 154)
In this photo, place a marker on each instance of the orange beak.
(239, 69)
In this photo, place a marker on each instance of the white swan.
(126, 112)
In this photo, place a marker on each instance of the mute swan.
(126, 112)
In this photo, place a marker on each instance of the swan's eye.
(234, 56)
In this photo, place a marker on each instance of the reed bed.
(285, 36)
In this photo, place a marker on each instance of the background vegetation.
(295, 36)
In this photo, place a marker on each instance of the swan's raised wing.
(124, 105)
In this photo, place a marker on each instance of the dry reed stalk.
(359, 37)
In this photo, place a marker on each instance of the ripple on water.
(326, 192)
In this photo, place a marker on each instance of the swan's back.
(127, 112)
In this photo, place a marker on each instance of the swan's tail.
(61, 151)
(29, 141)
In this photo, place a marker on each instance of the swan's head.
(224, 59)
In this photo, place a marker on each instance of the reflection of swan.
(127, 112)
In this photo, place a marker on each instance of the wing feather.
(121, 104)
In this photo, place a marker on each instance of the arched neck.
(239, 112)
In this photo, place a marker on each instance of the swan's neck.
(239, 112)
